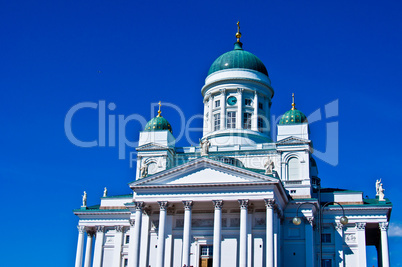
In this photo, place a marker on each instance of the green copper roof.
(293, 116)
(238, 59)
(158, 123)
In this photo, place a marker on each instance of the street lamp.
(343, 220)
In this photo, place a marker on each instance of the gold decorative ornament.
(238, 34)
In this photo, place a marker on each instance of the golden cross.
(293, 101)
(238, 34)
(159, 111)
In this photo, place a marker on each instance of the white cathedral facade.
(239, 199)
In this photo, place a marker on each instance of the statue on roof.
(377, 187)
(269, 167)
(105, 192)
(381, 191)
(204, 146)
(143, 169)
(84, 199)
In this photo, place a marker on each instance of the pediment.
(151, 146)
(292, 140)
(203, 171)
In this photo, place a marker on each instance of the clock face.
(232, 100)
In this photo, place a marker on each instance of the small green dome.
(238, 59)
(293, 116)
(158, 123)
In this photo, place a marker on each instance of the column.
(239, 123)
(80, 246)
(254, 119)
(186, 232)
(161, 233)
(384, 243)
(339, 255)
(310, 241)
(216, 260)
(135, 235)
(223, 109)
(361, 241)
(211, 116)
(144, 243)
(243, 232)
(270, 204)
(118, 240)
(88, 249)
(100, 234)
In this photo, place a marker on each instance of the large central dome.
(238, 59)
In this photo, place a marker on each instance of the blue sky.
(56, 54)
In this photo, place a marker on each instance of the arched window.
(293, 169)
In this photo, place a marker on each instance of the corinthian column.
(339, 255)
(80, 246)
(187, 232)
(243, 232)
(216, 260)
(135, 234)
(118, 241)
(100, 233)
(161, 234)
(309, 241)
(361, 241)
(88, 249)
(270, 204)
(384, 243)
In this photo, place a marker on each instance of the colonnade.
(135, 237)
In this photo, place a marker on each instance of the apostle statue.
(381, 191)
(377, 187)
(269, 166)
(204, 146)
(84, 199)
(143, 170)
(105, 192)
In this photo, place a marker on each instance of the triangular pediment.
(204, 171)
(151, 146)
(292, 140)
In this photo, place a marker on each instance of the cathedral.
(237, 199)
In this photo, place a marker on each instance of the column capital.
(338, 226)
(100, 228)
(138, 205)
(119, 228)
(240, 90)
(360, 225)
(383, 226)
(187, 204)
(90, 232)
(269, 203)
(163, 205)
(223, 90)
(243, 203)
(81, 229)
(132, 222)
(218, 204)
(310, 220)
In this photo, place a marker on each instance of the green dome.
(293, 116)
(158, 123)
(238, 59)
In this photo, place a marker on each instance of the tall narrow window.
(293, 169)
(247, 102)
(326, 263)
(260, 106)
(217, 103)
(260, 124)
(217, 121)
(247, 120)
(231, 120)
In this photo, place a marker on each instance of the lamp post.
(297, 220)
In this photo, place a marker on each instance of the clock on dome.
(232, 100)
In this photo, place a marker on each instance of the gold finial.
(159, 111)
(293, 101)
(238, 34)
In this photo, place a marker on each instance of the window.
(293, 191)
(247, 120)
(125, 262)
(206, 250)
(293, 169)
(326, 238)
(326, 263)
(260, 106)
(247, 102)
(127, 239)
(260, 124)
(231, 120)
(217, 103)
(217, 121)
